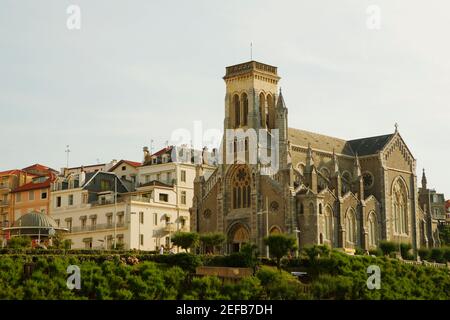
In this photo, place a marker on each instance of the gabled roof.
(38, 166)
(8, 172)
(361, 147)
(162, 151)
(34, 186)
(371, 145)
(129, 162)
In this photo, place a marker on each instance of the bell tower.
(251, 95)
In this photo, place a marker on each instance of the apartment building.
(105, 167)
(133, 206)
(96, 216)
(10, 180)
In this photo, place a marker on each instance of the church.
(346, 194)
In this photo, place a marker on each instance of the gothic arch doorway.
(238, 235)
(275, 230)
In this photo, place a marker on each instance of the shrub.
(332, 287)
(213, 240)
(248, 288)
(388, 247)
(437, 255)
(405, 249)
(205, 288)
(21, 242)
(376, 252)
(185, 240)
(246, 258)
(186, 261)
(279, 246)
(447, 254)
(280, 285)
(444, 234)
(424, 253)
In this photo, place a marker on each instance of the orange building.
(23, 191)
(10, 180)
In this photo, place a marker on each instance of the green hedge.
(440, 255)
(117, 278)
(132, 275)
(388, 247)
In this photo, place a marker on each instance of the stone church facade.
(345, 194)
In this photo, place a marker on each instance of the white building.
(89, 168)
(152, 203)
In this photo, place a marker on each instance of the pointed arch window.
(311, 208)
(269, 110)
(400, 207)
(328, 224)
(373, 232)
(241, 183)
(245, 109)
(350, 226)
(262, 109)
(237, 111)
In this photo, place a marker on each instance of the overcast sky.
(138, 70)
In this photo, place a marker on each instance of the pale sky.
(138, 70)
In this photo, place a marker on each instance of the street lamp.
(267, 223)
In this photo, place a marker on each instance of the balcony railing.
(141, 199)
(4, 203)
(169, 228)
(4, 185)
(103, 226)
(103, 202)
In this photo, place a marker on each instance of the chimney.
(82, 177)
(146, 155)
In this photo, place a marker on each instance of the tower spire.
(424, 179)
(280, 101)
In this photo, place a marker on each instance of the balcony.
(169, 228)
(4, 186)
(103, 202)
(4, 203)
(141, 199)
(98, 227)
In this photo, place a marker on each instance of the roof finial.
(424, 179)
(251, 51)
(396, 127)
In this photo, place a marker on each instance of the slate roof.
(362, 147)
(368, 146)
(318, 141)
